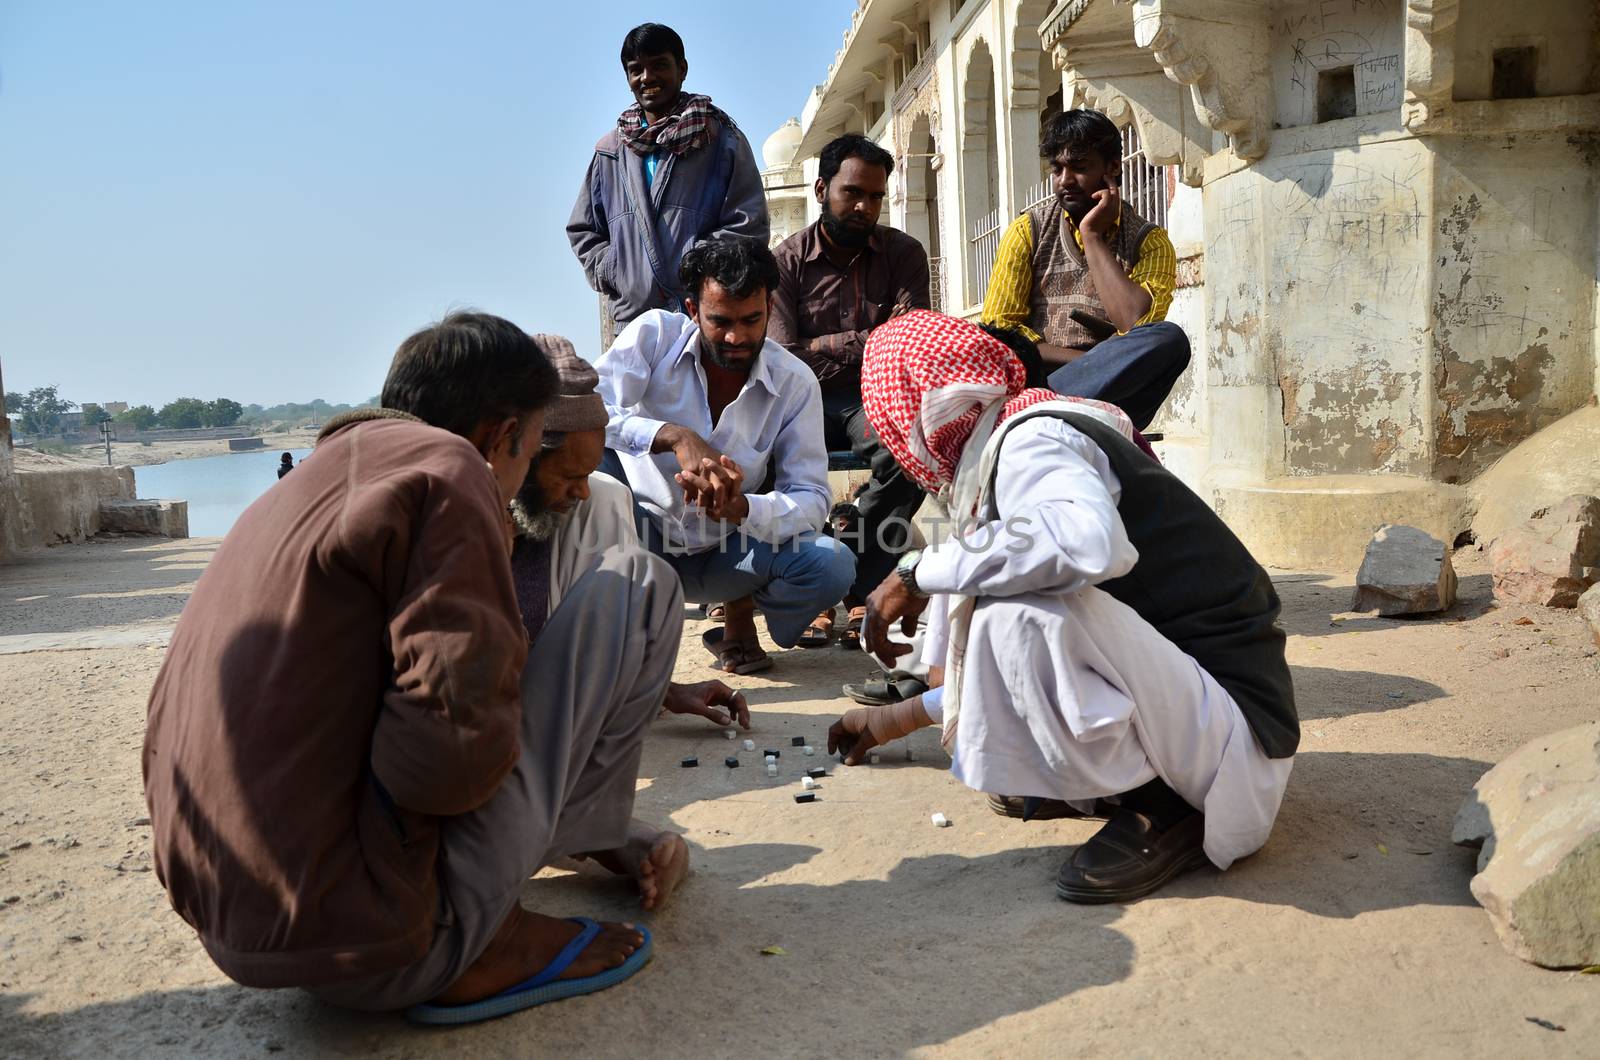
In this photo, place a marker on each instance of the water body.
(218, 488)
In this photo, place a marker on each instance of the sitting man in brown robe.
(350, 773)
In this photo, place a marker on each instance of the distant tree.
(139, 417)
(42, 409)
(182, 413)
(222, 412)
(93, 414)
(14, 402)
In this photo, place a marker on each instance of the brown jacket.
(346, 672)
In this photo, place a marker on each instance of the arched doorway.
(980, 170)
(922, 200)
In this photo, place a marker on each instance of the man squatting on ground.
(702, 405)
(1085, 255)
(839, 278)
(1104, 634)
(568, 514)
(355, 647)
(675, 170)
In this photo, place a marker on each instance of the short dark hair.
(652, 38)
(468, 368)
(740, 265)
(1082, 129)
(852, 145)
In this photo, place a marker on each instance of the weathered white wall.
(1513, 292)
(1562, 30)
(1368, 35)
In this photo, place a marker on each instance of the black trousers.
(1135, 371)
(889, 501)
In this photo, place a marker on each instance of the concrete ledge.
(63, 506)
(239, 445)
(1324, 522)
(156, 517)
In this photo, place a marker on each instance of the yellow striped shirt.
(1006, 303)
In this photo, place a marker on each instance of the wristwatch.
(907, 570)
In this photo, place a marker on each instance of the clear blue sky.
(260, 201)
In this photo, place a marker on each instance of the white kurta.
(1067, 692)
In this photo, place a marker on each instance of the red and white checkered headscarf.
(927, 377)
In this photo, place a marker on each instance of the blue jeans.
(1135, 371)
(791, 582)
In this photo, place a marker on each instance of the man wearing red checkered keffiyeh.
(1109, 647)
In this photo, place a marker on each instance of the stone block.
(1406, 571)
(1536, 816)
(1589, 609)
(158, 517)
(1553, 557)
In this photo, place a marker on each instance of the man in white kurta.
(1066, 692)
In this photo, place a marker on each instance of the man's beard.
(535, 519)
(714, 353)
(845, 234)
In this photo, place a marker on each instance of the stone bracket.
(1430, 61)
(1216, 49)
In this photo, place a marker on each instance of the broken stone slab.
(1406, 571)
(1536, 816)
(1552, 558)
(1589, 609)
(162, 518)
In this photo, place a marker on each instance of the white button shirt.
(652, 376)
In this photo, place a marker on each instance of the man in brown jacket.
(349, 772)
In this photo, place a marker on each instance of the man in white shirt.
(1104, 635)
(702, 407)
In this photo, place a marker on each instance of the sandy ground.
(133, 454)
(1352, 933)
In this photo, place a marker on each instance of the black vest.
(1200, 588)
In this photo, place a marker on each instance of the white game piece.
(941, 821)
(809, 750)
(874, 759)
(911, 756)
(772, 760)
(732, 734)
(807, 783)
(772, 771)
(749, 745)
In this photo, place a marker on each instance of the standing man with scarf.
(674, 171)
(1105, 636)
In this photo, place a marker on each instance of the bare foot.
(525, 943)
(658, 861)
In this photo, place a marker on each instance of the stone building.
(783, 177)
(1385, 210)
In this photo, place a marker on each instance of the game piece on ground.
(941, 821)
(732, 734)
(816, 773)
(797, 741)
(749, 745)
(809, 750)
(770, 753)
(805, 796)
(731, 762)
(874, 759)
(690, 762)
(808, 783)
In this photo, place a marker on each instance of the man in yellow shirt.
(1087, 281)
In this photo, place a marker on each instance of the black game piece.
(689, 763)
(797, 741)
(769, 753)
(816, 774)
(731, 762)
(806, 796)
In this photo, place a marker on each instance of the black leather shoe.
(1041, 809)
(1129, 858)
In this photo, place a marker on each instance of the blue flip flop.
(542, 988)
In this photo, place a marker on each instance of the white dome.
(780, 147)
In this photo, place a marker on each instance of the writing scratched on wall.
(1365, 36)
